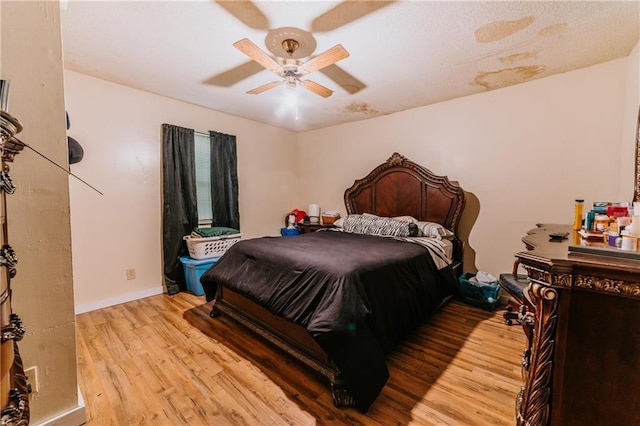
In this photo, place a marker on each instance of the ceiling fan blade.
(247, 13)
(329, 57)
(247, 47)
(234, 75)
(264, 87)
(316, 88)
(344, 13)
(343, 79)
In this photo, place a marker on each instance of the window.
(203, 178)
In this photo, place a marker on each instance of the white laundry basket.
(207, 247)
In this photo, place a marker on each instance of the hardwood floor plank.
(91, 384)
(163, 361)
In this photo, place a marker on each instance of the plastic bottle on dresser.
(577, 218)
(589, 220)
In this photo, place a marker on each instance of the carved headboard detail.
(400, 187)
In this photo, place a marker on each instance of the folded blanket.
(214, 231)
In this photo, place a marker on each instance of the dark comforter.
(357, 295)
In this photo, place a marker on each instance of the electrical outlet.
(32, 379)
(131, 274)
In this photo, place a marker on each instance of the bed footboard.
(287, 336)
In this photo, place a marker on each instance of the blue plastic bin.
(193, 270)
(286, 232)
(482, 295)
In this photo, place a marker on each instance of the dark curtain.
(179, 205)
(224, 180)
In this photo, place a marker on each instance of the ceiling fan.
(291, 69)
(249, 14)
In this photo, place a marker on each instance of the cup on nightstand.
(314, 213)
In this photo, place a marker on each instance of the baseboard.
(116, 300)
(73, 417)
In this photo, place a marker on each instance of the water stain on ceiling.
(361, 107)
(498, 30)
(507, 77)
(517, 57)
(553, 30)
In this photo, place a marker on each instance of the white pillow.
(434, 230)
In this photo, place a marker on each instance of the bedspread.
(357, 295)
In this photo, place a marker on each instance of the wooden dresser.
(14, 399)
(582, 366)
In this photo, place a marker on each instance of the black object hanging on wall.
(75, 149)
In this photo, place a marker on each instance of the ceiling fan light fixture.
(290, 82)
(290, 45)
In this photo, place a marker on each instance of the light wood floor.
(163, 361)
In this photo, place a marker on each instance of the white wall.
(630, 123)
(523, 153)
(120, 131)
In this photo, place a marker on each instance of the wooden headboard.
(400, 187)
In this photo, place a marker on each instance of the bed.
(341, 301)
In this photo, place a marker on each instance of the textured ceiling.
(403, 54)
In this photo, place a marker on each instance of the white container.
(629, 243)
(601, 223)
(208, 247)
(314, 213)
(635, 225)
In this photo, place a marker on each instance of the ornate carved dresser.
(582, 311)
(14, 399)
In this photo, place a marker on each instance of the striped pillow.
(375, 225)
